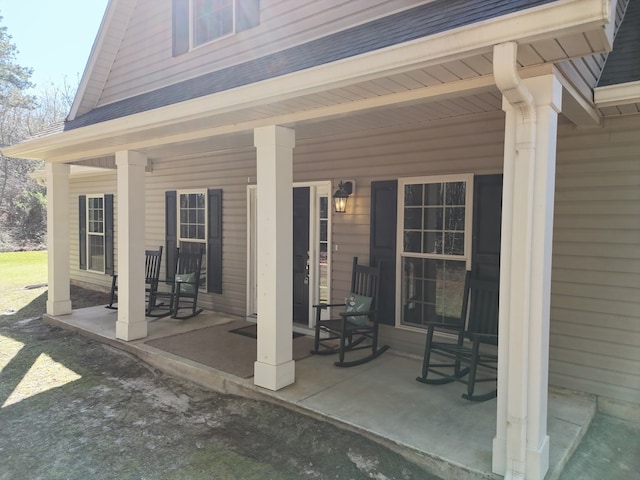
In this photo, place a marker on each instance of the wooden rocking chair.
(478, 327)
(153, 259)
(184, 288)
(357, 327)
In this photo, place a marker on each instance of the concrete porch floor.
(431, 425)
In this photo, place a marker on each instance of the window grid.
(192, 227)
(95, 233)
(212, 19)
(433, 250)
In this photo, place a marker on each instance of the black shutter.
(247, 14)
(382, 246)
(180, 27)
(82, 229)
(214, 241)
(171, 234)
(487, 223)
(108, 234)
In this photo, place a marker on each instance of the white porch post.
(58, 299)
(275, 368)
(521, 445)
(131, 323)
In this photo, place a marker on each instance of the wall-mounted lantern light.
(344, 191)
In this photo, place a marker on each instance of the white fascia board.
(547, 21)
(614, 95)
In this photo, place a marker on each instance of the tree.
(22, 114)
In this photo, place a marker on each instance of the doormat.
(251, 331)
(217, 348)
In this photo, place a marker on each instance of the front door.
(301, 202)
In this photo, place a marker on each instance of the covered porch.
(430, 425)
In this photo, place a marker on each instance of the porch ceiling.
(424, 80)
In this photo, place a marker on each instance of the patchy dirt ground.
(71, 408)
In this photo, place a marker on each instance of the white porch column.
(521, 445)
(131, 323)
(275, 368)
(58, 299)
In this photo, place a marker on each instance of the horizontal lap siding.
(98, 185)
(228, 171)
(474, 144)
(144, 60)
(595, 303)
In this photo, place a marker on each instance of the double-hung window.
(95, 233)
(434, 247)
(192, 226)
(212, 19)
(197, 22)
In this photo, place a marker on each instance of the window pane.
(432, 242)
(433, 218)
(437, 299)
(324, 207)
(455, 218)
(412, 242)
(433, 194)
(413, 218)
(456, 193)
(200, 232)
(96, 253)
(211, 19)
(454, 243)
(413, 195)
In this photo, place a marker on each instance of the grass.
(17, 271)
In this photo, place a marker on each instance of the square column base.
(538, 461)
(128, 331)
(62, 307)
(274, 377)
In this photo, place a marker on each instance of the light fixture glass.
(341, 196)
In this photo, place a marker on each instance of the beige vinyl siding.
(229, 171)
(595, 303)
(473, 144)
(89, 185)
(144, 62)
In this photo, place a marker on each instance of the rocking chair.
(357, 327)
(478, 327)
(153, 258)
(184, 288)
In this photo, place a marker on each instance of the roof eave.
(593, 17)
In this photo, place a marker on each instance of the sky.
(53, 37)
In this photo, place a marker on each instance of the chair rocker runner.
(184, 288)
(357, 327)
(153, 259)
(478, 327)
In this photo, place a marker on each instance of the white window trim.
(468, 231)
(95, 234)
(192, 45)
(179, 238)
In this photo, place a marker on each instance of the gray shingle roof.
(623, 63)
(428, 19)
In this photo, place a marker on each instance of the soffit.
(445, 85)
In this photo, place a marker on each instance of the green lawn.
(17, 271)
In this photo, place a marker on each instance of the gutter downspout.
(510, 445)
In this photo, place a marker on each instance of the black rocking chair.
(477, 328)
(184, 288)
(357, 327)
(153, 259)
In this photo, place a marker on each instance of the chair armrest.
(356, 314)
(327, 305)
(447, 326)
(482, 337)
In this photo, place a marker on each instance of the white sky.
(53, 37)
